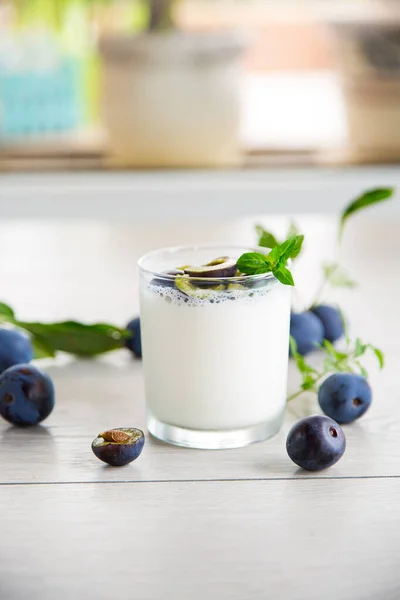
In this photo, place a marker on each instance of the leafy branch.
(334, 361)
(334, 275)
(85, 340)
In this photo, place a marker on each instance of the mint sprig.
(266, 239)
(255, 263)
(334, 361)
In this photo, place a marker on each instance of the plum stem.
(295, 395)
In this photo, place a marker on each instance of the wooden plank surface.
(88, 272)
(94, 397)
(239, 524)
(292, 540)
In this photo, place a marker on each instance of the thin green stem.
(295, 395)
(319, 293)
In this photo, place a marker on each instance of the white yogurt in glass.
(215, 365)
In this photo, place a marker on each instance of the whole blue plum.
(26, 395)
(345, 397)
(134, 343)
(307, 330)
(332, 321)
(315, 443)
(15, 348)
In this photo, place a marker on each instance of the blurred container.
(367, 36)
(172, 100)
(39, 102)
(40, 85)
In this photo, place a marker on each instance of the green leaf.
(6, 311)
(302, 366)
(41, 349)
(266, 239)
(283, 275)
(309, 383)
(297, 247)
(329, 365)
(331, 351)
(360, 348)
(289, 249)
(77, 338)
(293, 347)
(293, 229)
(337, 276)
(380, 356)
(364, 372)
(253, 263)
(366, 199)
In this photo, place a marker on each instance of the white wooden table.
(185, 524)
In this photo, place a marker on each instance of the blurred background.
(116, 84)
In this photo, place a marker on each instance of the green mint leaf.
(293, 229)
(6, 311)
(289, 249)
(297, 246)
(266, 239)
(283, 275)
(41, 349)
(253, 263)
(77, 338)
(336, 276)
(366, 199)
(380, 356)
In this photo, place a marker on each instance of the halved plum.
(219, 268)
(120, 446)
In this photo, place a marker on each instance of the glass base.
(214, 439)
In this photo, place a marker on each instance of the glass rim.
(194, 247)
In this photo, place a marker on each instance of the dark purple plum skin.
(26, 395)
(134, 343)
(331, 320)
(221, 272)
(15, 349)
(345, 397)
(119, 455)
(315, 443)
(307, 330)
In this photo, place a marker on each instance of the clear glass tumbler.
(215, 354)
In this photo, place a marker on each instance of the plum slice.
(219, 268)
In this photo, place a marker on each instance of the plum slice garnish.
(186, 286)
(219, 268)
